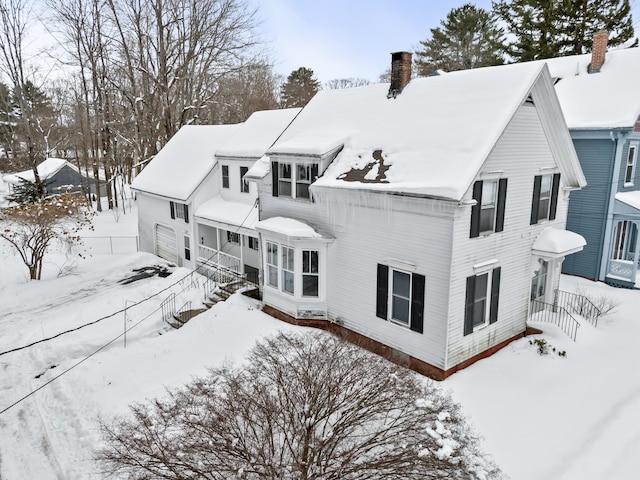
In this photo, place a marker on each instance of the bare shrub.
(603, 302)
(301, 407)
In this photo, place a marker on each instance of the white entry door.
(166, 246)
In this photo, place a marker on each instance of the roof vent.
(598, 51)
(400, 72)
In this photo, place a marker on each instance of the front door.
(539, 285)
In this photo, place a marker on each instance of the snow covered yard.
(543, 417)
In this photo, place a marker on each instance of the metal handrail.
(578, 304)
(168, 307)
(185, 310)
(560, 316)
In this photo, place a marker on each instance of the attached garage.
(166, 243)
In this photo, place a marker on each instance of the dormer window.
(292, 179)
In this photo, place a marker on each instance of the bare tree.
(305, 406)
(32, 227)
(341, 83)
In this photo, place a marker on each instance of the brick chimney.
(400, 72)
(598, 51)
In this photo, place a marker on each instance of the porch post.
(635, 254)
(242, 254)
(219, 247)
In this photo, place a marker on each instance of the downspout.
(608, 225)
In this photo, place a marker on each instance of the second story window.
(225, 176)
(487, 215)
(292, 179)
(631, 166)
(244, 185)
(179, 210)
(545, 197)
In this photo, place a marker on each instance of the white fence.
(98, 246)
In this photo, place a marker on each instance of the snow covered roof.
(46, 170)
(235, 214)
(609, 98)
(288, 227)
(184, 162)
(431, 140)
(629, 198)
(553, 243)
(258, 133)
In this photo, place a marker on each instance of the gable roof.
(432, 139)
(609, 98)
(46, 170)
(184, 162)
(258, 133)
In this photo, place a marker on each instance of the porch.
(622, 247)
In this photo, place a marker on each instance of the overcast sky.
(352, 38)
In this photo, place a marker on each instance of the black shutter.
(468, 307)
(535, 202)
(173, 210)
(274, 178)
(475, 210)
(382, 292)
(417, 302)
(186, 213)
(554, 196)
(495, 294)
(502, 198)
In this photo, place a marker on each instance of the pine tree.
(27, 192)
(468, 38)
(299, 88)
(553, 28)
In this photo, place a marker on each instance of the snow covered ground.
(543, 417)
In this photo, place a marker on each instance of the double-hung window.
(545, 197)
(179, 210)
(253, 243)
(292, 179)
(400, 297)
(481, 306)
(272, 264)
(233, 237)
(310, 273)
(225, 176)
(287, 268)
(187, 247)
(487, 215)
(244, 185)
(631, 166)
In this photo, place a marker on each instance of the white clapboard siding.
(233, 193)
(371, 228)
(520, 154)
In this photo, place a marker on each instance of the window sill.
(628, 185)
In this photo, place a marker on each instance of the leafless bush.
(603, 302)
(301, 407)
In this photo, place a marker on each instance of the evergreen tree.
(553, 28)
(468, 38)
(582, 18)
(27, 192)
(299, 88)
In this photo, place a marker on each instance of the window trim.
(225, 176)
(630, 168)
(179, 210)
(384, 290)
(273, 251)
(244, 185)
(292, 181)
(187, 247)
(304, 274)
(553, 198)
(491, 297)
(232, 236)
(290, 254)
(500, 198)
(253, 243)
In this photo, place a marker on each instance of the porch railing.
(211, 256)
(549, 313)
(578, 304)
(622, 269)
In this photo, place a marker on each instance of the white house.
(178, 178)
(226, 221)
(193, 207)
(414, 218)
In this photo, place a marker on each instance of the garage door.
(166, 243)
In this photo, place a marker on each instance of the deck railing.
(213, 257)
(622, 269)
(549, 313)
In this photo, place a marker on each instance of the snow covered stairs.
(224, 291)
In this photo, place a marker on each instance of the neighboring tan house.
(414, 218)
(600, 99)
(59, 175)
(178, 179)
